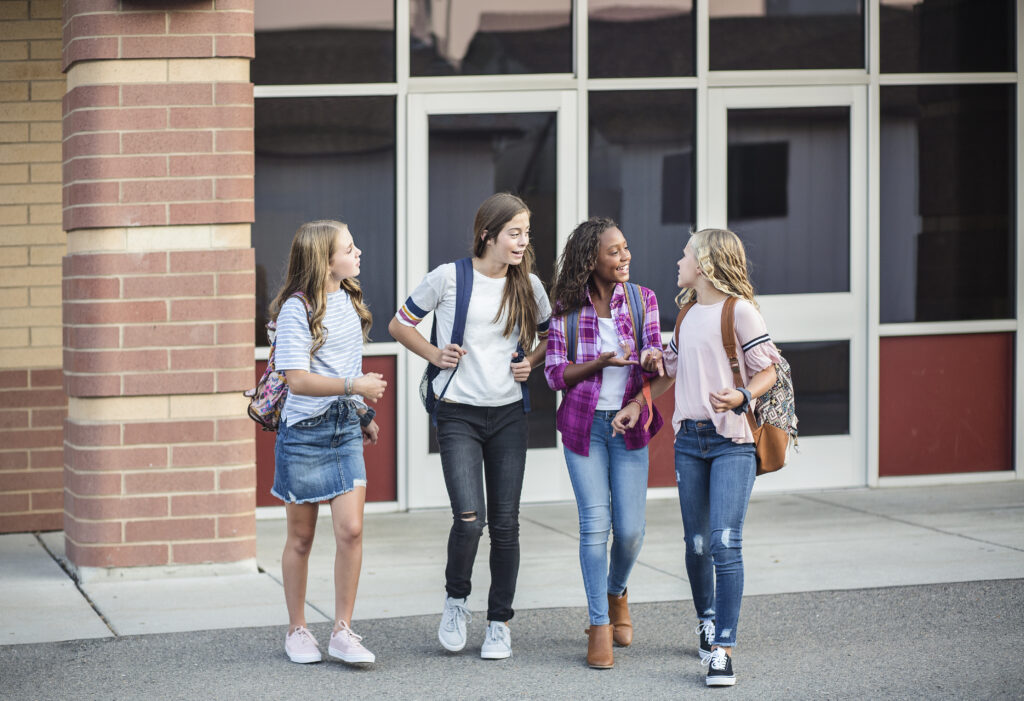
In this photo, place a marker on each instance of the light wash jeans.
(611, 495)
(714, 477)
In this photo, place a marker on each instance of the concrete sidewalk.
(822, 541)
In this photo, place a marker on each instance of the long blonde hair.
(309, 263)
(723, 260)
(518, 304)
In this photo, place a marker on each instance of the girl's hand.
(521, 370)
(626, 418)
(370, 432)
(651, 361)
(371, 385)
(726, 399)
(613, 359)
(448, 357)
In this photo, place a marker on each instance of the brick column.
(159, 463)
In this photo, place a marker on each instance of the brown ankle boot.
(618, 612)
(599, 647)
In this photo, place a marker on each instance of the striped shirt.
(340, 356)
(576, 412)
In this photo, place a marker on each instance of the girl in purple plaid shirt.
(608, 470)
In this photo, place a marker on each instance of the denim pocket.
(312, 421)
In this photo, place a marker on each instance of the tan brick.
(231, 235)
(30, 153)
(123, 72)
(29, 234)
(167, 238)
(45, 255)
(118, 409)
(47, 296)
(13, 50)
(14, 92)
(13, 256)
(45, 336)
(17, 173)
(48, 89)
(46, 48)
(212, 70)
(14, 296)
(23, 277)
(45, 131)
(14, 338)
(48, 111)
(28, 70)
(44, 214)
(40, 29)
(195, 406)
(25, 358)
(95, 240)
(30, 194)
(45, 172)
(30, 316)
(46, 9)
(14, 9)
(13, 133)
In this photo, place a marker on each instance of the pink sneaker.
(301, 646)
(346, 647)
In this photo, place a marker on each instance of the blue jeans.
(611, 495)
(714, 476)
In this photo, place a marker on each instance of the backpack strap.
(572, 334)
(679, 320)
(463, 291)
(729, 344)
(637, 312)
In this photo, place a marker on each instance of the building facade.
(868, 152)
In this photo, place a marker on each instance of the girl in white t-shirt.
(318, 455)
(481, 427)
(714, 448)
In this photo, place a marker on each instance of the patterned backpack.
(267, 398)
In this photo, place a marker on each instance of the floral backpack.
(266, 400)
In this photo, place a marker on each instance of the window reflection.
(822, 386)
(304, 42)
(947, 205)
(484, 37)
(786, 34)
(641, 38)
(946, 36)
(326, 158)
(472, 156)
(789, 196)
(642, 175)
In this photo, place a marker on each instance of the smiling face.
(613, 257)
(509, 246)
(344, 261)
(688, 269)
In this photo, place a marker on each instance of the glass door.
(462, 148)
(786, 170)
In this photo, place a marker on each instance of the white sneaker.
(452, 631)
(301, 646)
(348, 647)
(498, 642)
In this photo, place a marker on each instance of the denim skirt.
(318, 458)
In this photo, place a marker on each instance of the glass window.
(642, 175)
(789, 196)
(485, 37)
(947, 203)
(641, 38)
(947, 36)
(821, 381)
(786, 34)
(305, 42)
(472, 156)
(326, 158)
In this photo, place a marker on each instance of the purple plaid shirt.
(579, 403)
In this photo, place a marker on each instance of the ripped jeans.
(714, 477)
(483, 449)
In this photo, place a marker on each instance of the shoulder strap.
(637, 310)
(463, 291)
(679, 320)
(572, 333)
(729, 343)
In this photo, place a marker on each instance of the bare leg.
(347, 516)
(295, 560)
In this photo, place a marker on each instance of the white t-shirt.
(485, 374)
(613, 379)
(340, 356)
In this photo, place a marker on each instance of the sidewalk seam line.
(78, 585)
(307, 601)
(909, 523)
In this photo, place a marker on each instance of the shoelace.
(452, 612)
(717, 660)
(355, 637)
(303, 632)
(497, 633)
(706, 629)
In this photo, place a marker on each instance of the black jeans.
(494, 438)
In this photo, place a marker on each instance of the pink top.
(700, 365)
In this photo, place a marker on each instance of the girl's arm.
(729, 398)
(309, 384)
(651, 356)
(408, 336)
(630, 414)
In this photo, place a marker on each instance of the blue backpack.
(463, 291)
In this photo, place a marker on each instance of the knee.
(349, 533)
(630, 538)
(504, 526)
(469, 523)
(698, 545)
(726, 546)
(595, 525)
(300, 542)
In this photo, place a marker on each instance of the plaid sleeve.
(555, 360)
(652, 321)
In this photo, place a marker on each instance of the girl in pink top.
(714, 449)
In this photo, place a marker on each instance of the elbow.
(555, 375)
(395, 328)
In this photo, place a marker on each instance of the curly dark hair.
(576, 265)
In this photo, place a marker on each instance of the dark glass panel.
(947, 36)
(786, 34)
(472, 156)
(642, 175)
(326, 158)
(789, 196)
(637, 38)
(821, 382)
(947, 203)
(487, 37)
(304, 42)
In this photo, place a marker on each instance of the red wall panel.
(661, 451)
(381, 459)
(946, 404)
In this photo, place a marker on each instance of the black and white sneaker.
(705, 636)
(720, 669)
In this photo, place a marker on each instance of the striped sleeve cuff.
(410, 313)
(764, 338)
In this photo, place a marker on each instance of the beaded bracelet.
(348, 386)
(636, 401)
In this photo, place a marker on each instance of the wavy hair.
(723, 260)
(309, 264)
(576, 265)
(518, 304)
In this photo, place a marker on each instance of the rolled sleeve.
(555, 359)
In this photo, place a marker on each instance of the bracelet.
(636, 401)
(348, 386)
(366, 417)
(742, 408)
